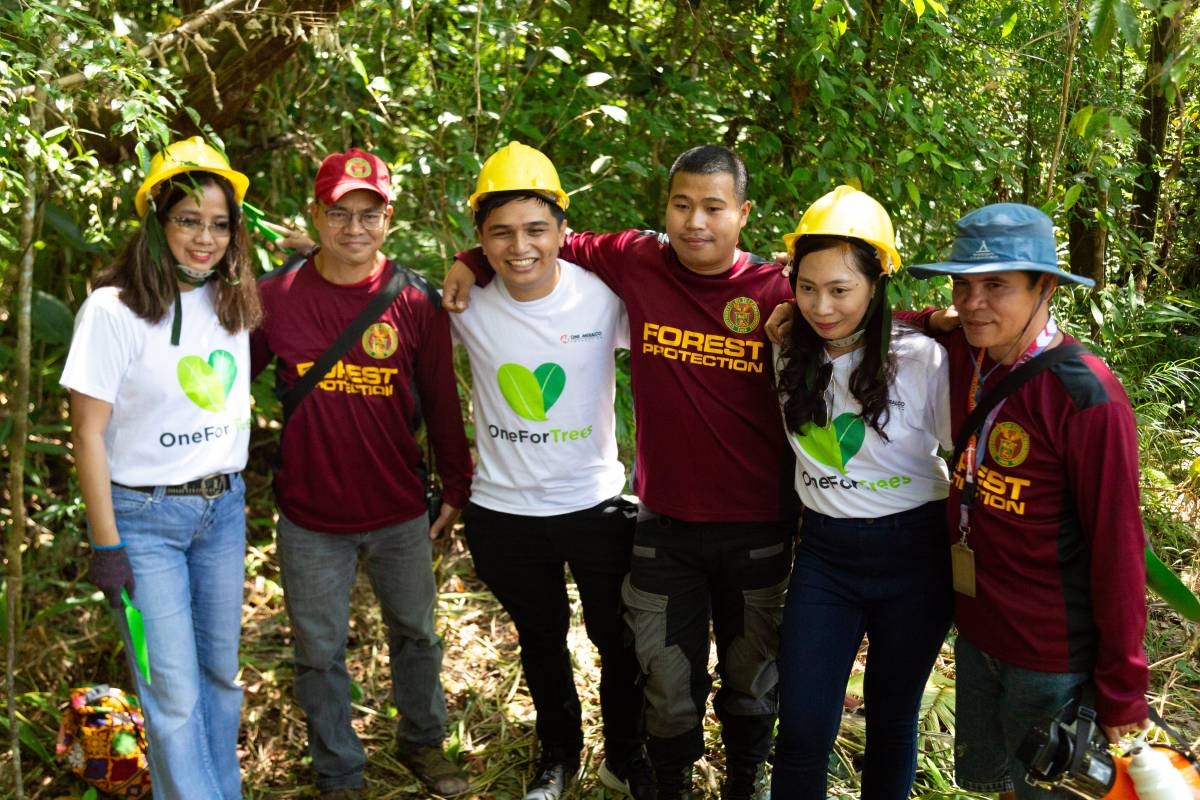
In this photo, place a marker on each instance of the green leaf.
(1102, 24)
(1120, 127)
(29, 738)
(1127, 21)
(1079, 122)
(551, 380)
(521, 391)
(1009, 24)
(51, 319)
(914, 193)
(62, 223)
(1072, 196)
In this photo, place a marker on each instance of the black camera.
(1069, 752)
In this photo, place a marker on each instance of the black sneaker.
(553, 778)
(634, 778)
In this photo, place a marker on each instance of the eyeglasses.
(371, 219)
(194, 226)
(819, 388)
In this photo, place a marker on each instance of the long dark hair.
(145, 270)
(804, 349)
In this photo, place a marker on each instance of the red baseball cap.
(354, 169)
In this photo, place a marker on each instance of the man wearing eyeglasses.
(349, 483)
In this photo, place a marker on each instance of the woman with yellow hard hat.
(158, 374)
(865, 408)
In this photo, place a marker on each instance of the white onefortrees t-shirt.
(179, 413)
(543, 387)
(847, 470)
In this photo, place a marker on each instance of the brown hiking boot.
(433, 767)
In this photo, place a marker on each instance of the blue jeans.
(188, 558)
(318, 571)
(887, 578)
(995, 706)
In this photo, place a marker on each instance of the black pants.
(683, 574)
(521, 559)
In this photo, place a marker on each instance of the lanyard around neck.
(972, 453)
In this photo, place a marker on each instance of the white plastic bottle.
(1155, 777)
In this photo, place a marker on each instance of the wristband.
(116, 546)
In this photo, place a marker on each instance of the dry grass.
(69, 642)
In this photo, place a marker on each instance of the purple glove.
(109, 569)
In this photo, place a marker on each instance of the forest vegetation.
(1089, 110)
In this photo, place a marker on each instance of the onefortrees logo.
(531, 393)
(836, 443)
(208, 383)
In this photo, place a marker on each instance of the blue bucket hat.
(1002, 237)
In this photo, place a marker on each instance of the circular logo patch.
(358, 167)
(741, 315)
(1008, 444)
(380, 340)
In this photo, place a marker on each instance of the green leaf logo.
(531, 394)
(208, 383)
(836, 443)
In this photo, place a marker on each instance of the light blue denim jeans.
(318, 571)
(996, 704)
(188, 559)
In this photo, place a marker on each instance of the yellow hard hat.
(189, 155)
(519, 167)
(853, 214)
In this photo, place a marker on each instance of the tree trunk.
(1087, 237)
(1144, 215)
(220, 75)
(18, 436)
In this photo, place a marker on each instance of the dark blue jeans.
(887, 578)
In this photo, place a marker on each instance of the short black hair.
(490, 202)
(713, 159)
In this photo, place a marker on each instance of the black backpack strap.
(299, 390)
(1013, 381)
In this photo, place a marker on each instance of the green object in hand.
(137, 635)
(1166, 584)
(255, 217)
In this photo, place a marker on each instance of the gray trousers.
(318, 571)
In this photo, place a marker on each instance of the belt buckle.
(212, 486)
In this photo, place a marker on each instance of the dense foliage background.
(1086, 109)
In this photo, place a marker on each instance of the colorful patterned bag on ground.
(102, 739)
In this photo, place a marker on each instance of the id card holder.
(962, 566)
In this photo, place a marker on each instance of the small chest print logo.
(576, 338)
(1008, 444)
(741, 315)
(358, 168)
(380, 340)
